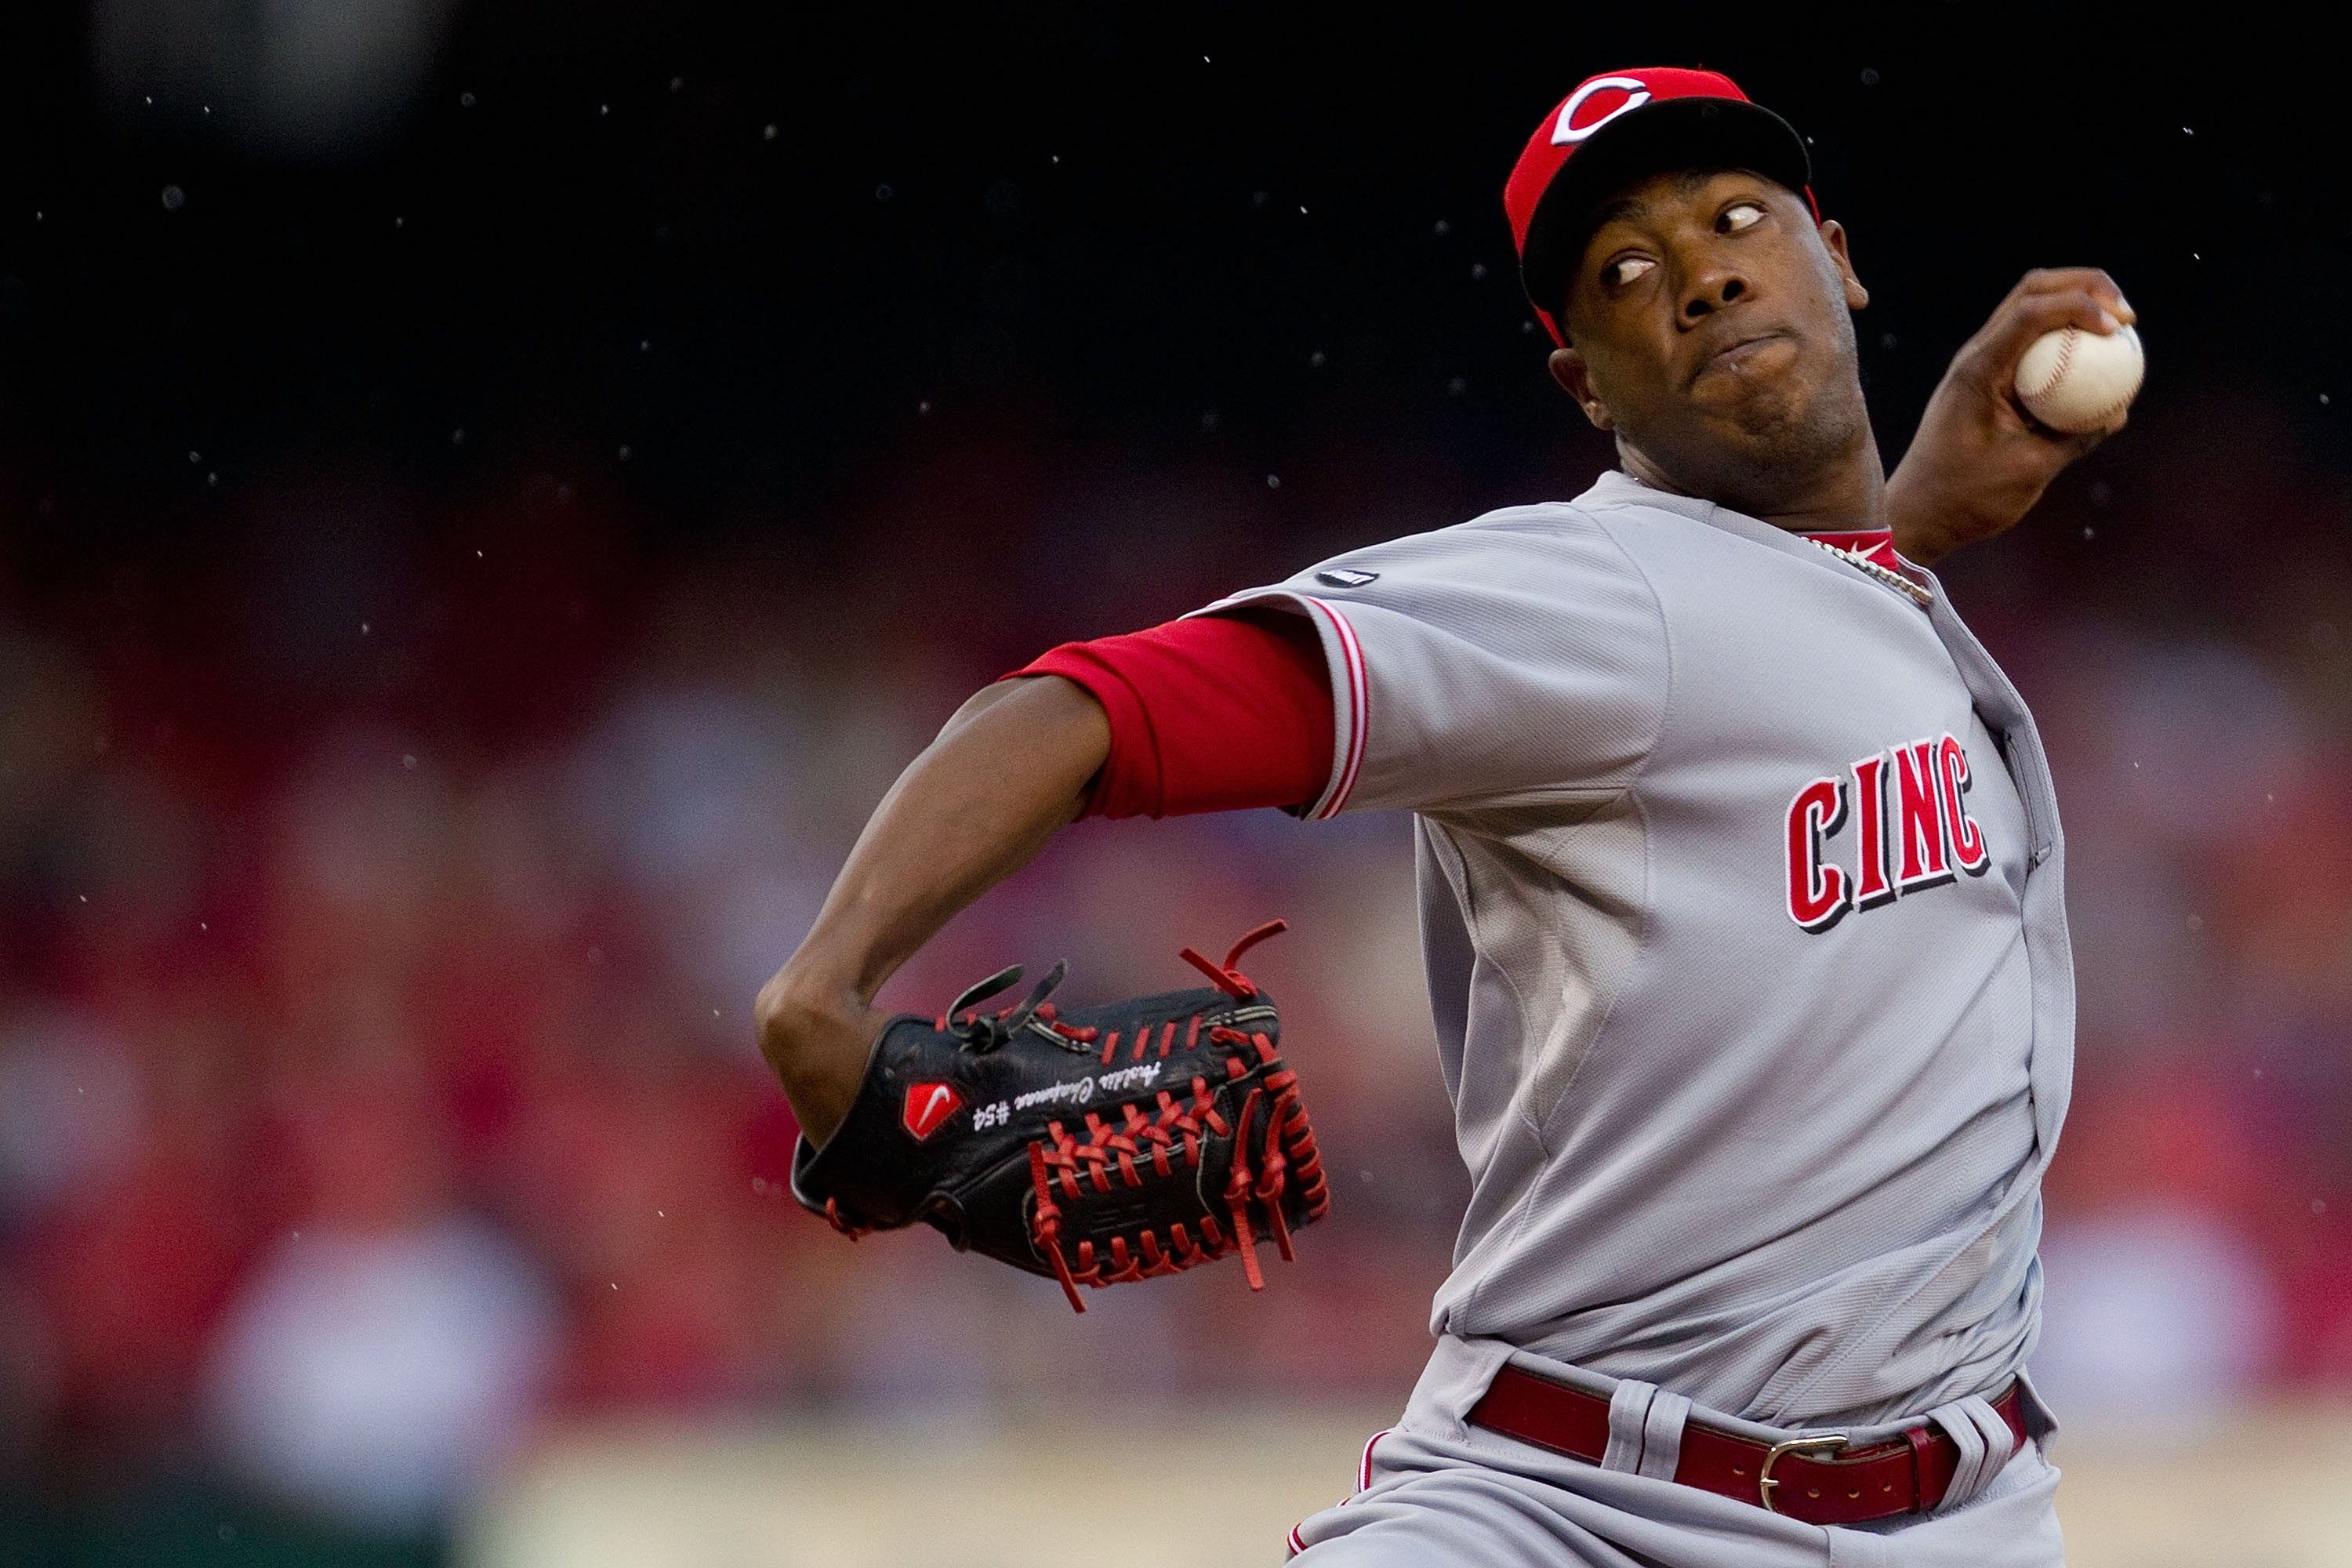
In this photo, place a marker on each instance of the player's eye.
(1625, 269)
(1739, 216)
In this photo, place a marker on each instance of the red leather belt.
(1818, 1479)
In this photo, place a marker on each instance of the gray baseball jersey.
(1741, 909)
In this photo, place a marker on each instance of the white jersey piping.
(1353, 707)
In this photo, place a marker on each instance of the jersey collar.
(1876, 545)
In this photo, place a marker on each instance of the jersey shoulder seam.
(1631, 794)
(1665, 651)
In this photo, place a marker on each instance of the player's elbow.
(791, 1024)
(817, 1039)
(769, 1014)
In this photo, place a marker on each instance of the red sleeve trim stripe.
(1364, 1471)
(1355, 708)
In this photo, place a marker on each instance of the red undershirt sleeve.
(1210, 713)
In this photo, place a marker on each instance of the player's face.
(1708, 328)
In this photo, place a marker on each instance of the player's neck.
(1845, 495)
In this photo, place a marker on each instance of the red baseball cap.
(1620, 127)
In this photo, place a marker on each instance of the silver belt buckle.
(1764, 1480)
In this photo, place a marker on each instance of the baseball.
(2076, 381)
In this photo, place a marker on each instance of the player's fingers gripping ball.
(1116, 1143)
(2075, 382)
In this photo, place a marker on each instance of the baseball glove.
(1096, 1147)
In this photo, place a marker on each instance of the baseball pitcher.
(1739, 881)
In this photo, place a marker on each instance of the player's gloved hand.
(1117, 1143)
(1979, 462)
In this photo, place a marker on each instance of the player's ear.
(1569, 369)
(1834, 241)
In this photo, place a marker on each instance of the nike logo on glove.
(928, 1105)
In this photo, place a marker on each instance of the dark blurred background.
(492, 491)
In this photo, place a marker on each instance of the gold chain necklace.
(1895, 580)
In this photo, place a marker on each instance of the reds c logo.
(1921, 843)
(929, 1105)
(1564, 133)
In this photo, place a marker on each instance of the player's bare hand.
(817, 1036)
(1979, 462)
